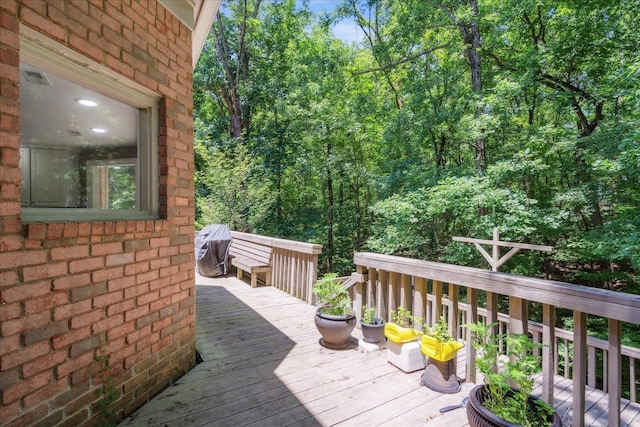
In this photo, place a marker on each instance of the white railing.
(387, 282)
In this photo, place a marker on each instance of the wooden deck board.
(263, 366)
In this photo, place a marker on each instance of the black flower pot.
(479, 416)
(335, 330)
(373, 332)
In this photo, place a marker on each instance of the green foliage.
(368, 314)
(518, 368)
(234, 189)
(403, 317)
(333, 297)
(440, 331)
(421, 224)
(106, 392)
(122, 187)
(373, 145)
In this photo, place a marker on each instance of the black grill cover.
(212, 250)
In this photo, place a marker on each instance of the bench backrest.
(253, 251)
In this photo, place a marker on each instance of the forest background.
(449, 118)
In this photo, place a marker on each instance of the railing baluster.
(579, 366)
(556, 362)
(420, 298)
(437, 306)
(535, 338)
(632, 381)
(393, 291)
(472, 317)
(492, 310)
(299, 274)
(566, 358)
(614, 371)
(591, 366)
(385, 308)
(405, 291)
(548, 351)
(605, 372)
(454, 291)
(360, 289)
(291, 274)
(372, 289)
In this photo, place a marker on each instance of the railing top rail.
(598, 302)
(292, 245)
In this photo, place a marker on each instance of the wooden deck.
(263, 366)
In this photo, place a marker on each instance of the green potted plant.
(440, 348)
(438, 344)
(400, 329)
(372, 326)
(505, 397)
(334, 318)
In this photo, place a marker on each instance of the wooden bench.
(251, 258)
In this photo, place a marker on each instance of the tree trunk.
(330, 202)
(235, 65)
(471, 38)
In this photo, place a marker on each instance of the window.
(112, 184)
(88, 138)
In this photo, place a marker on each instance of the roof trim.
(182, 9)
(198, 15)
(204, 20)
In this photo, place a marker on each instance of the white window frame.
(41, 51)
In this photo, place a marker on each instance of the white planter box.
(407, 356)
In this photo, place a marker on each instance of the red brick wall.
(71, 293)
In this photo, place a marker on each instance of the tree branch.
(556, 83)
(400, 61)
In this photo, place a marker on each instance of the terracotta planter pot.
(335, 330)
(373, 333)
(479, 416)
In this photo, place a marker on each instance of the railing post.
(614, 372)
(548, 351)
(579, 366)
(518, 316)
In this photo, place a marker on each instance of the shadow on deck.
(263, 366)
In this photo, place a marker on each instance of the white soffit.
(182, 9)
(198, 15)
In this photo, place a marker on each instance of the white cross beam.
(495, 260)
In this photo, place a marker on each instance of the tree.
(451, 118)
(228, 74)
(234, 189)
